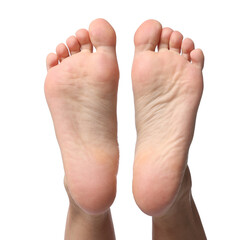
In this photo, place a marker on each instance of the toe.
(84, 40)
(102, 35)
(73, 45)
(176, 41)
(148, 35)
(187, 47)
(197, 58)
(62, 52)
(52, 60)
(165, 38)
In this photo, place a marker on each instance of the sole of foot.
(167, 84)
(81, 92)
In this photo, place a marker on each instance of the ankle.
(86, 226)
(78, 213)
(172, 224)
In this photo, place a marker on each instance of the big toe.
(148, 35)
(102, 34)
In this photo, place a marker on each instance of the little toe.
(52, 60)
(148, 35)
(62, 52)
(73, 45)
(197, 58)
(84, 40)
(102, 35)
(176, 41)
(187, 47)
(165, 37)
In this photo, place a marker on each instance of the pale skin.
(81, 91)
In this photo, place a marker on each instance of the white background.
(33, 203)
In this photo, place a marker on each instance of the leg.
(81, 92)
(81, 225)
(167, 88)
(183, 213)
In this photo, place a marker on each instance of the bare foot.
(81, 91)
(167, 86)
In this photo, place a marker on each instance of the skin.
(167, 85)
(81, 92)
